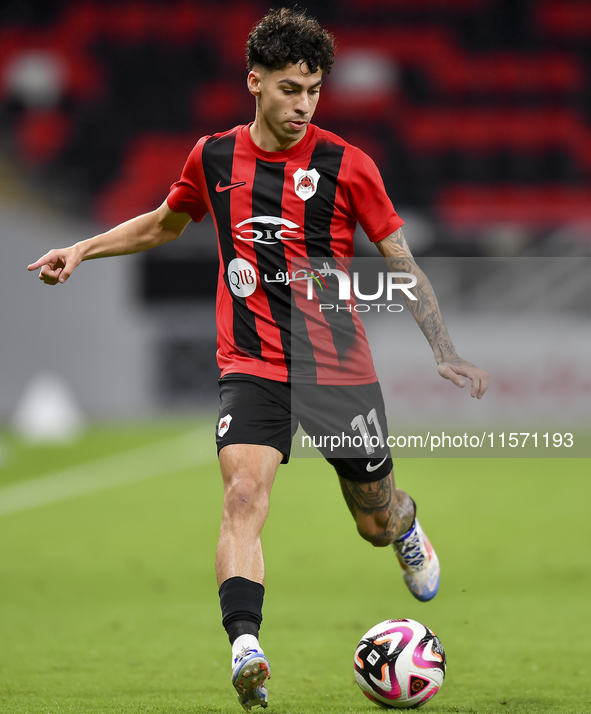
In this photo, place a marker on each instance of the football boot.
(419, 562)
(249, 674)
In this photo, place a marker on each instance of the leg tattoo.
(368, 498)
(382, 511)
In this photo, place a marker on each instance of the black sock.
(241, 627)
(241, 601)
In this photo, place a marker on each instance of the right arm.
(140, 233)
(425, 310)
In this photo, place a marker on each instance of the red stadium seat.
(84, 78)
(80, 23)
(152, 163)
(128, 22)
(418, 45)
(132, 22)
(421, 6)
(564, 18)
(509, 72)
(180, 22)
(219, 103)
(429, 130)
(451, 70)
(229, 25)
(41, 135)
(534, 206)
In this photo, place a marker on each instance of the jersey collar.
(299, 149)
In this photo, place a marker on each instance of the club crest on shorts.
(306, 183)
(224, 424)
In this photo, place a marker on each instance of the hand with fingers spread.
(455, 369)
(57, 265)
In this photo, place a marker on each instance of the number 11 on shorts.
(360, 424)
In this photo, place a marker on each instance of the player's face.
(286, 100)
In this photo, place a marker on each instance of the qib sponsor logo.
(242, 277)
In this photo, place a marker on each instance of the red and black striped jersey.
(276, 212)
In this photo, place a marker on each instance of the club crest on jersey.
(224, 425)
(306, 183)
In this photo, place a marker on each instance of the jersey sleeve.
(188, 195)
(371, 204)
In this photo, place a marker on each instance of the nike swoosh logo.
(371, 468)
(219, 188)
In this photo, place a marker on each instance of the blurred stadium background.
(478, 113)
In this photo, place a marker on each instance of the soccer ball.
(399, 664)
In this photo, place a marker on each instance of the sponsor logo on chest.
(267, 230)
(242, 277)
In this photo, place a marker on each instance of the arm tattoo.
(425, 309)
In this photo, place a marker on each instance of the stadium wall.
(91, 332)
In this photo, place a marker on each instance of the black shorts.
(254, 410)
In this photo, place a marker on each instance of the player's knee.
(245, 494)
(379, 539)
(375, 532)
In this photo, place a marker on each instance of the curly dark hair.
(289, 36)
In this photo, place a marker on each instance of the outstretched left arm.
(426, 312)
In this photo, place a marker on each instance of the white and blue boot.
(419, 563)
(250, 671)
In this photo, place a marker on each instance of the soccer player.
(282, 191)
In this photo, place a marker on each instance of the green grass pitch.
(108, 600)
